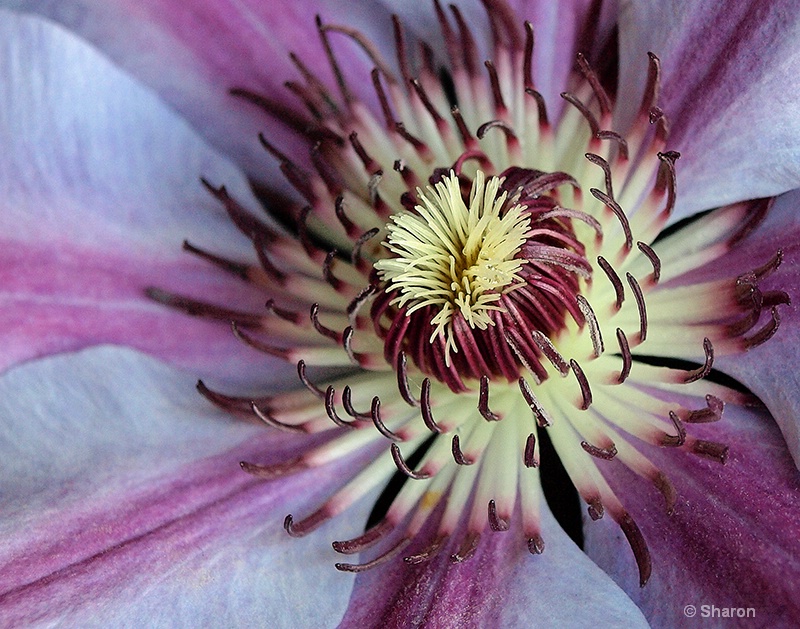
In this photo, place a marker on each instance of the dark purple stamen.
(365, 541)
(702, 372)
(381, 559)
(458, 455)
(619, 289)
(483, 402)
(401, 464)
(627, 359)
(529, 456)
(375, 412)
(637, 293)
(496, 523)
(586, 391)
(467, 548)
(606, 453)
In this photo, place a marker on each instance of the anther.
(483, 401)
(612, 205)
(654, 260)
(382, 98)
(265, 417)
(765, 333)
(458, 455)
(370, 165)
(584, 110)
(679, 439)
(591, 77)
(667, 490)
(375, 413)
(541, 106)
(639, 547)
(627, 359)
(713, 412)
(702, 372)
(425, 407)
(240, 269)
(397, 456)
(371, 537)
(381, 559)
(665, 179)
(401, 367)
(711, 450)
(227, 402)
(596, 159)
(496, 124)
(548, 349)
(428, 552)
(637, 293)
(766, 269)
(619, 289)
(256, 344)
(347, 403)
(527, 64)
(347, 343)
(499, 105)
(535, 545)
(496, 523)
(466, 137)
(539, 412)
(467, 548)
(606, 453)
(355, 256)
(301, 373)
(529, 455)
(270, 472)
(349, 226)
(323, 330)
(594, 326)
(330, 408)
(586, 391)
(306, 525)
(595, 509)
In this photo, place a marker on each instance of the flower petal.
(769, 370)
(729, 88)
(99, 187)
(123, 502)
(192, 54)
(501, 585)
(731, 542)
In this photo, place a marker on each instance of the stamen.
(702, 372)
(347, 403)
(535, 545)
(397, 456)
(401, 367)
(594, 82)
(637, 293)
(365, 541)
(467, 548)
(330, 409)
(306, 525)
(711, 414)
(375, 412)
(276, 470)
(611, 204)
(627, 359)
(426, 410)
(549, 350)
(586, 392)
(765, 333)
(542, 417)
(594, 326)
(711, 450)
(483, 402)
(427, 553)
(619, 290)
(654, 260)
(271, 421)
(596, 159)
(680, 439)
(529, 457)
(499, 105)
(458, 455)
(638, 546)
(496, 523)
(606, 453)
(301, 372)
(381, 559)
(324, 331)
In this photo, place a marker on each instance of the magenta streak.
(101, 550)
(64, 297)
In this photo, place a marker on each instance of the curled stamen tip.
(607, 453)
(535, 545)
(496, 523)
(639, 547)
(595, 509)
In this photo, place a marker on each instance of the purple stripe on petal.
(732, 540)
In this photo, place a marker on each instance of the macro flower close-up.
(400, 314)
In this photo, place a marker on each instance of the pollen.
(457, 257)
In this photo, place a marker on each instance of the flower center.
(455, 258)
(506, 272)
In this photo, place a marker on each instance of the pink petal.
(124, 502)
(732, 541)
(730, 89)
(501, 585)
(100, 186)
(192, 54)
(769, 370)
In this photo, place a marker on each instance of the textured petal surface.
(99, 187)
(730, 88)
(502, 585)
(770, 370)
(192, 53)
(124, 504)
(732, 541)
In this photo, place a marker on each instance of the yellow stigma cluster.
(458, 258)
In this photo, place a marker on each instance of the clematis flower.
(493, 268)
